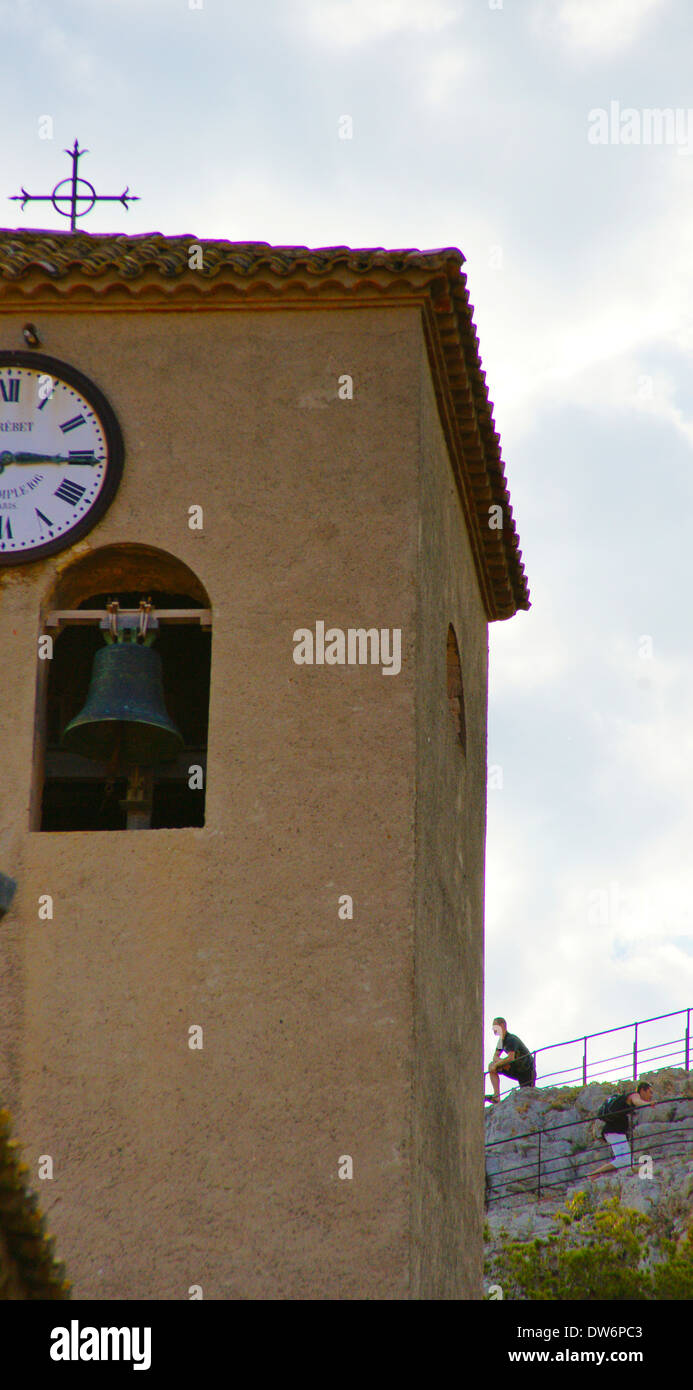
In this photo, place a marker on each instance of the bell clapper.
(110, 781)
(137, 803)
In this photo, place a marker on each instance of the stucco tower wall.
(448, 1138)
(219, 1167)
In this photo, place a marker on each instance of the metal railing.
(541, 1166)
(645, 1056)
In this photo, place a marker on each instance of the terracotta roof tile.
(79, 265)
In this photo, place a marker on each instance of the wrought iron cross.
(74, 196)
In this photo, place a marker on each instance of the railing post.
(635, 1055)
(688, 1037)
(539, 1168)
(584, 1064)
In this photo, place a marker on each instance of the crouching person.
(518, 1064)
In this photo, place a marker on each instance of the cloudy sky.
(522, 132)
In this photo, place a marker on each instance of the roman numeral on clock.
(10, 388)
(69, 492)
(5, 529)
(72, 424)
(43, 518)
(81, 456)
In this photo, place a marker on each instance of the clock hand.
(7, 458)
(33, 458)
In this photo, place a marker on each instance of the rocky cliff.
(552, 1233)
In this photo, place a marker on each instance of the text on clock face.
(49, 482)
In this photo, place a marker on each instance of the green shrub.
(673, 1278)
(607, 1252)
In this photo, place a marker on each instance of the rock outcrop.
(659, 1187)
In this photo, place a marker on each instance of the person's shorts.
(620, 1146)
(517, 1071)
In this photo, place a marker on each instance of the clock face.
(61, 456)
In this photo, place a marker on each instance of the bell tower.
(254, 523)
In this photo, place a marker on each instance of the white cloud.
(573, 931)
(598, 28)
(592, 332)
(68, 54)
(577, 351)
(531, 653)
(555, 968)
(348, 23)
(656, 756)
(640, 661)
(443, 74)
(262, 205)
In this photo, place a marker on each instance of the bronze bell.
(124, 711)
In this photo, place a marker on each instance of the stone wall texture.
(450, 846)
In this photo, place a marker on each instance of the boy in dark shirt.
(617, 1129)
(518, 1065)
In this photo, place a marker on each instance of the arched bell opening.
(84, 683)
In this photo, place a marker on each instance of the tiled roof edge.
(58, 253)
(120, 260)
(489, 455)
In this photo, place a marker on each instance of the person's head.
(500, 1027)
(645, 1091)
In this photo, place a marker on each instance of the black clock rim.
(64, 371)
